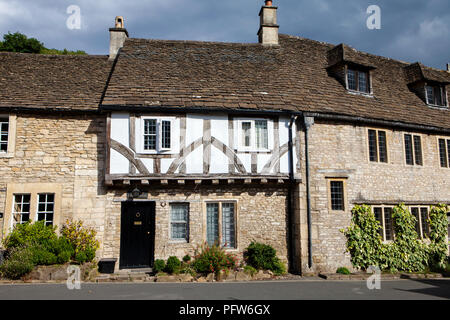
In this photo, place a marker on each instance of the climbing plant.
(407, 252)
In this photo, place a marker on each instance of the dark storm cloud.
(411, 30)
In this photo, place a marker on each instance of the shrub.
(42, 257)
(250, 270)
(343, 270)
(18, 264)
(187, 258)
(159, 266)
(263, 257)
(81, 238)
(438, 236)
(213, 260)
(173, 265)
(29, 234)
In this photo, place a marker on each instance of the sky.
(410, 30)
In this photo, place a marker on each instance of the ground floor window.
(422, 226)
(179, 223)
(221, 224)
(21, 208)
(384, 217)
(46, 205)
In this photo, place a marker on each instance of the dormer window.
(436, 95)
(358, 81)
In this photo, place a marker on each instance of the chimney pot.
(268, 3)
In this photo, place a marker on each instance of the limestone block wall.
(261, 216)
(341, 151)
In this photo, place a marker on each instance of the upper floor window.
(444, 152)
(157, 134)
(377, 146)
(358, 81)
(436, 95)
(337, 195)
(254, 134)
(4, 129)
(413, 150)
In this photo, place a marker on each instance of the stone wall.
(341, 151)
(261, 216)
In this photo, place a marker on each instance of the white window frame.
(182, 240)
(11, 144)
(253, 138)
(46, 212)
(13, 210)
(159, 148)
(444, 95)
(220, 222)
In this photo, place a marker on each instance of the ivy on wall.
(407, 252)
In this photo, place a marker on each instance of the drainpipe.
(291, 193)
(309, 122)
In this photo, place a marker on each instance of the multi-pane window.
(254, 134)
(179, 221)
(377, 146)
(157, 134)
(436, 96)
(4, 128)
(444, 152)
(413, 150)
(221, 224)
(21, 208)
(358, 80)
(46, 208)
(337, 195)
(422, 226)
(384, 217)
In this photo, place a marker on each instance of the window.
(444, 152)
(358, 81)
(221, 224)
(413, 150)
(179, 221)
(4, 129)
(377, 146)
(46, 205)
(157, 135)
(422, 226)
(436, 95)
(21, 208)
(253, 134)
(384, 217)
(337, 195)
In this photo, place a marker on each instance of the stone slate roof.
(158, 73)
(52, 82)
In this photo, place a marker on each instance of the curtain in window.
(262, 139)
(212, 223)
(246, 134)
(228, 233)
(179, 221)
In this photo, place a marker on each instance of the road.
(272, 290)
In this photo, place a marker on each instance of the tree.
(17, 42)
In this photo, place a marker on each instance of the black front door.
(137, 235)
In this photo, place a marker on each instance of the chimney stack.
(268, 31)
(118, 34)
(448, 67)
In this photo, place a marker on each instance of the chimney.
(118, 34)
(448, 67)
(268, 31)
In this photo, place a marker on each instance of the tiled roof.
(293, 76)
(51, 81)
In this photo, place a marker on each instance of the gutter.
(309, 121)
(291, 197)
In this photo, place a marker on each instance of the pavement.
(412, 289)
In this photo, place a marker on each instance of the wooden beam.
(165, 182)
(248, 181)
(198, 181)
(181, 181)
(264, 181)
(145, 182)
(230, 181)
(126, 182)
(215, 182)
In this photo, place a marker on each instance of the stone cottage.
(165, 145)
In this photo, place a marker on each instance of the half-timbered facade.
(165, 145)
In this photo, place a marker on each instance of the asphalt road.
(272, 290)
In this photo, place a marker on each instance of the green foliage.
(343, 270)
(250, 270)
(407, 252)
(18, 42)
(159, 266)
(213, 259)
(81, 239)
(173, 265)
(18, 263)
(438, 230)
(42, 257)
(187, 258)
(263, 257)
(30, 234)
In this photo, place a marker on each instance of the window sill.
(6, 155)
(359, 93)
(435, 106)
(175, 241)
